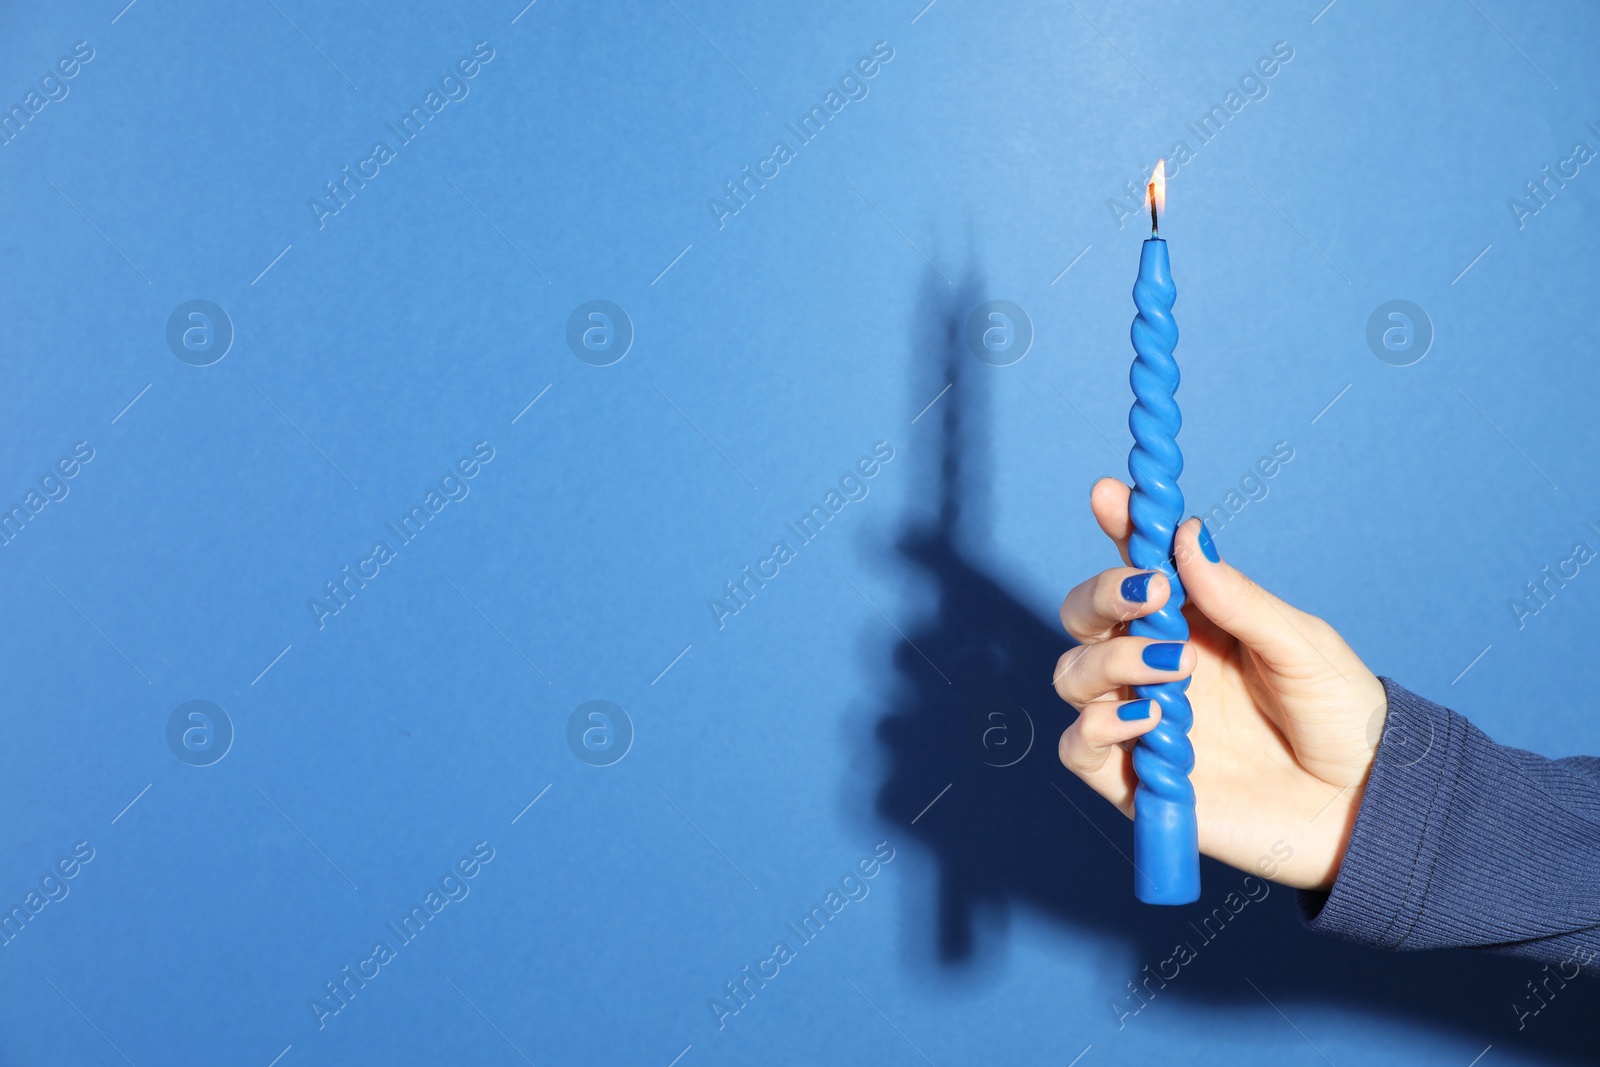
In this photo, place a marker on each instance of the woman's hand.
(1286, 716)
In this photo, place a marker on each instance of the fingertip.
(1120, 729)
(1160, 589)
(1143, 592)
(1107, 484)
(1208, 547)
(1144, 713)
(1193, 545)
(1135, 588)
(1108, 500)
(1107, 496)
(1100, 730)
(1168, 657)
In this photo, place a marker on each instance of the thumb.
(1288, 639)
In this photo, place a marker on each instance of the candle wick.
(1155, 228)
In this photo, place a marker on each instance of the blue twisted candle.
(1166, 849)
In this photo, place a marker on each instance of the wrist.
(1327, 836)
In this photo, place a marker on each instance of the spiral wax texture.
(1166, 840)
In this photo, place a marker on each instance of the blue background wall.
(760, 761)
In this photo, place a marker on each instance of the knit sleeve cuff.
(1378, 895)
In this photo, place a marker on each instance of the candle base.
(1166, 850)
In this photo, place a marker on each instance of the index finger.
(1109, 502)
(1095, 608)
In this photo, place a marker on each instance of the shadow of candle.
(1023, 833)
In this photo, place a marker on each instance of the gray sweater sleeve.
(1464, 843)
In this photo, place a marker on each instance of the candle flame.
(1156, 194)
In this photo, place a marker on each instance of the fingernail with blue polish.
(1136, 587)
(1208, 546)
(1134, 709)
(1163, 655)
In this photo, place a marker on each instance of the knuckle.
(1066, 748)
(1073, 614)
(1066, 613)
(1319, 629)
(1245, 598)
(1092, 728)
(1082, 679)
(1077, 754)
(1064, 668)
(1089, 609)
(1078, 631)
